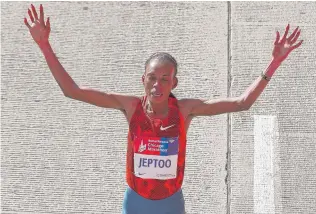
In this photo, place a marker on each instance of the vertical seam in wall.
(228, 154)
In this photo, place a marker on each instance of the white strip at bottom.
(265, 132)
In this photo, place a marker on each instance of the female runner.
(158, 121)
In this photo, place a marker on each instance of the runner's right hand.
(38, 29)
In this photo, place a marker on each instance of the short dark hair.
(163, 56)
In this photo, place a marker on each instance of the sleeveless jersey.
(156, 152)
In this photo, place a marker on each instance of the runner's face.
(159, 80)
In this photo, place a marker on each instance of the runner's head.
(160, 76)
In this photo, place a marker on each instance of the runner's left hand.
(284, 47)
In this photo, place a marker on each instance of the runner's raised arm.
(40, 33)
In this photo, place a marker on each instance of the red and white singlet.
(156, 152)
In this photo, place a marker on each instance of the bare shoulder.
(185, 106)
(127, 101)
(130, 103)
(133, 102)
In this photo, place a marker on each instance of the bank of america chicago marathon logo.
(157, 146)
(155, 157)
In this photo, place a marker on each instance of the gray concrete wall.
(63, 156)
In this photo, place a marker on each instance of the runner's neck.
(156, 110)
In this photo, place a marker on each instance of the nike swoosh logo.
(165, 128)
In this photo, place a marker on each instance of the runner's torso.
(156, 152)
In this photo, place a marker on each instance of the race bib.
(156, 157)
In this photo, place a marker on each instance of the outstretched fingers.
(26, 23)
(295, 38)
(277, 38)
(285, 34)
(34, 17)
(31, 15)
(34, 12)
(48, 24)
(293, 34)
(296, 46)
(41, 14)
